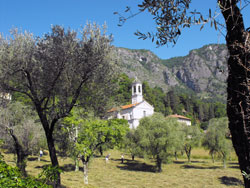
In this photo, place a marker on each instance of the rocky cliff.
(202, 71)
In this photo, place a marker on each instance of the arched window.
(139, 89)
(134, 89)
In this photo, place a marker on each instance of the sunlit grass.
(201, 172)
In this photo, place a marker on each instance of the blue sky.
(37, 16)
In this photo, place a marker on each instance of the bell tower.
(136, 91)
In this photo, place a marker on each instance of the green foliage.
(175, 61)
(19, 131)
(217, 139)
(178, 102)
(11, 177)
(158, 137)
(50, 173)
(86, 134)
(95, 132)
(66, 134)
(123, 94)
(193, 135)
(192, 138)
(131, 142)
(22, 98)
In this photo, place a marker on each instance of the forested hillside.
(172, 102)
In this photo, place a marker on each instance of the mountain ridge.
(203, 71)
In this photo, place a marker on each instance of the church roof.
(124, 107)
(179, 117)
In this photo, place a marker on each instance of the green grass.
(200, 173)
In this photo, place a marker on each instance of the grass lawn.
(201, 172)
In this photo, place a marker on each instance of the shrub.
(11, 177)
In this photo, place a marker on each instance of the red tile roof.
(123, 107)
(179, 116)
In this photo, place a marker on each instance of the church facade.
(135, 111)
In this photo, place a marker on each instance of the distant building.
(135, 111)
(6, 96)
(181, 119)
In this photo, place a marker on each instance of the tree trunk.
(175, 155)
(212, 154)
(158, 163)
(21, 163)
(238, 88)
(85, 169)
(85, 173)
(133, 157)
(101, 151)
(21, 154)
(224, 163)
(48, 129)
(76, 164)
(53, 157)
(189, 156)
(188, 149)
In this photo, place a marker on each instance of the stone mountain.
(203, 71)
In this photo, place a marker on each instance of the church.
(135, 111)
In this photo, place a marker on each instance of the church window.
(139, 89)
(134, 89)
(144, 113)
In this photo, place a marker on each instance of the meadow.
(200, 173)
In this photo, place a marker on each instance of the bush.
(11, 177)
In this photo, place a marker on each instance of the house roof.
(124, 107)
(179, 117)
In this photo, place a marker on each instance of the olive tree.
(217, 139)
(130, 144)
(53, 70)
(20, 133)
(192, 138)
(157, 137)
(172, 16)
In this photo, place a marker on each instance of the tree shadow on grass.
(179, 162)
(136, 166)
(65, 168)
(230, 181)
(69, 168)
(98, 156)
(42, 166)
(234, 165)
(119, 160)
(36, 159)
(199, 167)
(43, 160)
(197, 161)
(32, 158)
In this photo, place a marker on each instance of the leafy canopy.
(158, 136)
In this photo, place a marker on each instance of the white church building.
(135, 111)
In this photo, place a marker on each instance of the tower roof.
(136, 81)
